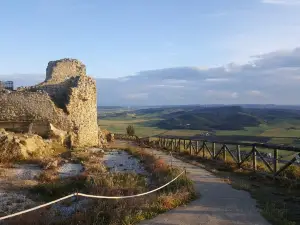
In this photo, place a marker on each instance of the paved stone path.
(219, 203)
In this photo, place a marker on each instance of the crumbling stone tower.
(70, 88)
(66, 99)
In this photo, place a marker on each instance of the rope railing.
(99, 196)
(90, 196)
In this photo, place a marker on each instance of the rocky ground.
(17, 179)
(13, 182)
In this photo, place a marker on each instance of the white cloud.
(281, 33)
(137, 96)
(200, 68)
(296, 77)
(123, 79)
(217, 79)
(175, 81)
(166, 86)
(274, 79)
(282, 2)
(234, 95)
(222, 94)
(255, 93)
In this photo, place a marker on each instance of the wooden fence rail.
(208, 149)
(253, 158)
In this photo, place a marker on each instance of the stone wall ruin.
(66, 99)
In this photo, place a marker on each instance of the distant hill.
(222, 118)
(216, 118)
(208, 118)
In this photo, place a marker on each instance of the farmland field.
(228, 123)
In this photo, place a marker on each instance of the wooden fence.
(273, 163)
(221, 150)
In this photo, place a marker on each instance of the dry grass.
(48, 176)
(292, 172)
(276, 214)
(98, 181)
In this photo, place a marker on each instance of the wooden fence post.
(254, 158)
(203, 149)
(197, 147)
(238, 150)
(190, 147)
(275, 161)
(184, 147)
(224, 153)
(173, 144)
(214, 149)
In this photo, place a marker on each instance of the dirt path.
(219, 203)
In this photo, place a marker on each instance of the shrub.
(130, 130)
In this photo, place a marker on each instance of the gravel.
(121, 161)
(70, 170)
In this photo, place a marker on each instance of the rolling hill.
(216, 118)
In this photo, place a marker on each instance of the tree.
(130, 130)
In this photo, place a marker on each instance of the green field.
(119, 126)
(283, 126)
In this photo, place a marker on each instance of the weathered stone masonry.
(66, 99)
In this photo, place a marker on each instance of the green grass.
(247, 131)
(119, 126)
(281, 132)
(144, 128)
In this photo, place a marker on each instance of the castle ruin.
(65, 100)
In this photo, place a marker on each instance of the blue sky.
(120, 38)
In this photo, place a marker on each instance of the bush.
(130, 130)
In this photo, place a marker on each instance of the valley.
(264, 124)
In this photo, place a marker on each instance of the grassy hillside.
(230, 118)
(224, 118)
(231, 122)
